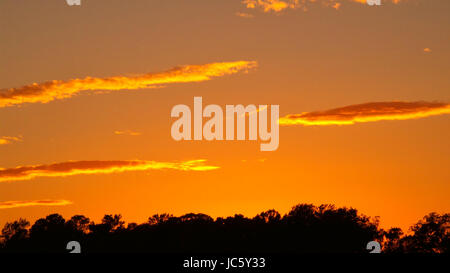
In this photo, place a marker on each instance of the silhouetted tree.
(431, 235)
(270, 216)
(16, 230)
(110, 223)
(159, 218)
(131, 226)
(392, 240)
(113, 221)
(79, 223)
(50, 233)
(196, 218)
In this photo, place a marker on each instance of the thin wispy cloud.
(127, 133)
(244, 15)
(71, 168)
(57, 89)
(276, 6)
(33, 203)
(336, 6)
(9, 139)
(368, 112)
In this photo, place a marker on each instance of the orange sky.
(86, 94)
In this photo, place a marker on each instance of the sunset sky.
(86, 94)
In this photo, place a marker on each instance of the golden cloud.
(277, 6)
(70, 168)
(57, 89)
(9, 139)
(127, 133)
(19, 204)
(367, 112)
(271, 5)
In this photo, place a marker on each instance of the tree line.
(305, 228)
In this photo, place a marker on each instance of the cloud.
(70, 168)
(271, 5)
(367, 112)
(277, 6)
(244, 15)
(128, 133)
(247, 114)
(19, 204)
(365, 1)
(57, 89)
(9, 139)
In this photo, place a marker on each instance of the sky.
(86, 94)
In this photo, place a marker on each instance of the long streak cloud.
(70, 168)
(58, 89)
(33, 203)
(367, 112)
(9, 139)
(277, 6)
